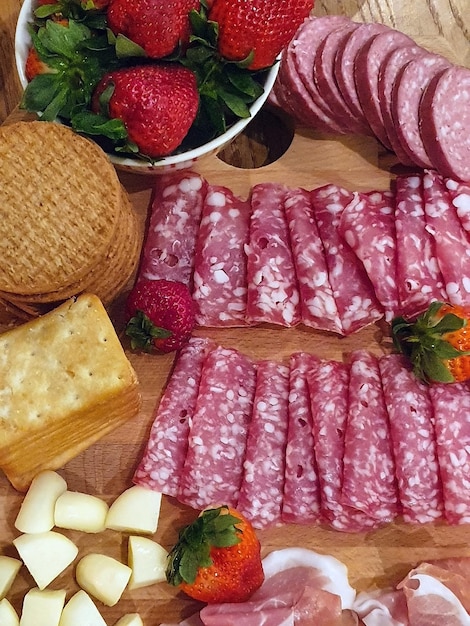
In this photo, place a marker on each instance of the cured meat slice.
(175, 213)
(451, 407)
(317, 303)
(418, 277)
(382, 607)
(213, 467)
(447, 572)
(162, 461)
(263, 478)
(301, 500)
(413, 440)
(445, 116)
(451, 240)
(460, 195)
(273, 294)
(328, 388)
(355, 298)
(367, 224)
(220, 282)
(369, 482)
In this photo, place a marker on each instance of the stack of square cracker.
(66, 224)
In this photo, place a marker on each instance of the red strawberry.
(157, 104)
(157, 26)
(34, 65)
(160, 314)
(263, 27)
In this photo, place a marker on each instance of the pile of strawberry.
(154, 77)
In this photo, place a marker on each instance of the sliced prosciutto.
(213, 467)
(263, 479)
(368, 226)
(301, 500)
(355, 298)
(418, 277)
(220, 282)
(162, 462)
(369, 483)
(273, 294)
(318, 306)
(175, 213)
(413, 440)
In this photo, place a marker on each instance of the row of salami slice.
(333, 259)
(341, 76)
(349, 444)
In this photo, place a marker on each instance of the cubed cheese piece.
(81, 610)
(9, 568)
(80, 511)
(131, 619)
(42, 607)
(103, 577)
(36, 514)
(8, 615)
(148, 561)
(136, 510)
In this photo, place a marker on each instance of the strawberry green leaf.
(89, 123)
(125, 47)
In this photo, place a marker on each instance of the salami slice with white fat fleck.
(263, 479)
(451, 407)
(369, 482)
(273, 294)
(175, 213)
(413, 440)
(318, 306)
(418, 277)
(301, 499)
(367, 224)
(460, 196)
(220, 282)
(162, 462)
(213, 467)
(451, 240)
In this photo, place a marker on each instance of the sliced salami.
(460, 196)
(353, 292)
(175, 213)
(419, 279)
(369, 482)
(301, 500)
(162, 462)
(273, 294)
(413, 440)
(367, 224)
(213, 467)
(451, 406)
(220, 281)
(263, 479)
(451, 240)
(318, 306)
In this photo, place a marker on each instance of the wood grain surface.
(374, 559)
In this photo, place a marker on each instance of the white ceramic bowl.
(183, 160)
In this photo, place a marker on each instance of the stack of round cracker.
(66, 224)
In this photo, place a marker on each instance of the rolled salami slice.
(213, 467)
(460, 196)
(413, 440)
(301, 500)
(451, 407)
(273, 294)
(369, 482)
(367, 224)
(263, 479)
(220, 282)
(355, 298)
(419, 279)
(175, 213)
(162, 462)
(317, 303)
(451, 240)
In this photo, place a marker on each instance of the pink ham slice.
(451, 240)
(301, 499)
(318, 306)
(220, 283)
(369, 482)
(418, 277)
(213, 467)
(353, 292)
(273, 294)
(175, 213)
(413, 440)
(162, 462)
(460, 196)
(367, 225)
(263, 478)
